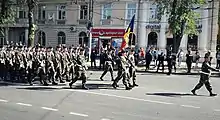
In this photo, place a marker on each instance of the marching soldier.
(2, 63)
(66, 63)
(50, 65)
(29, 68)
(80, 70)
(122, 72)
(58, 64)
(108, 64)
(204, 77)
(132, 70)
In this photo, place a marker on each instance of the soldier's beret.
(81, 49)
(58, 46)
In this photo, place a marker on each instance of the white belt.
(205, 73)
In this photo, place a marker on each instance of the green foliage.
(181, 14)
(7, 13)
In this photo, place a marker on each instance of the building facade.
(65, 21)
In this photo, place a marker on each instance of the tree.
(182, 17)
(32, 27)
(7, 14)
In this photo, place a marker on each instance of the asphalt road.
(159, 97)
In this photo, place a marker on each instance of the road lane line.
(217, 110)
(190, 106)
(1, 100)
(78, 114)
(51, 109)
(123, 97)
(105, 119)
(24, 104)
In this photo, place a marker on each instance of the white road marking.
(217, 110)
(51, 109)
(123, 97)
(105, 119)
(24, 104)
(190, 106)
(1, 100)
(78, 114)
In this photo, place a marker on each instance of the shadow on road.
(78, 87)
(93, 86)
(39, 88)
(172, 94)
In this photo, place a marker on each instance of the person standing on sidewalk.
(180, 56)
(197, 57)
(218, 59)
(161, 58)
(204, 77)
(189, 61)
(93, 59)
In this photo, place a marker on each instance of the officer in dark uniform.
(169, 62)
(204, 77)
(123, 71)
(161, 58)
(80, 70)
(189, 61)
(108, 64)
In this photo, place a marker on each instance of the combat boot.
(85, 87)
(212, 94)
(114, 85)
(193, 92)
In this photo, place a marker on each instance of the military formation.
(60, 65)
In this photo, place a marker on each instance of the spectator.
(93, 59)
(197, 55)
(189, 60)
(180, 56)
(218, 59)
(148, 59)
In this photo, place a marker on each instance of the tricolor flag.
(129, 30)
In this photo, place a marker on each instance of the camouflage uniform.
(108, 65)
(204, 78)
(80, 70)
(123, 72)
(132, 70)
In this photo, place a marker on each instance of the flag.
(129, 30)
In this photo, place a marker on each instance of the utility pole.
(213, 4)
(138, 21)
(90, 25)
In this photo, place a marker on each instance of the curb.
(178, 73)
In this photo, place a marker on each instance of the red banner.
(108, 32)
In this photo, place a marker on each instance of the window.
(61, 12)
(22, 13)
(41, 13)
(83, 12)
(61, 38)
(22, 38)
(131, 10)
(107, 11)
(42, 38)
(192, 42)
(153, 12)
